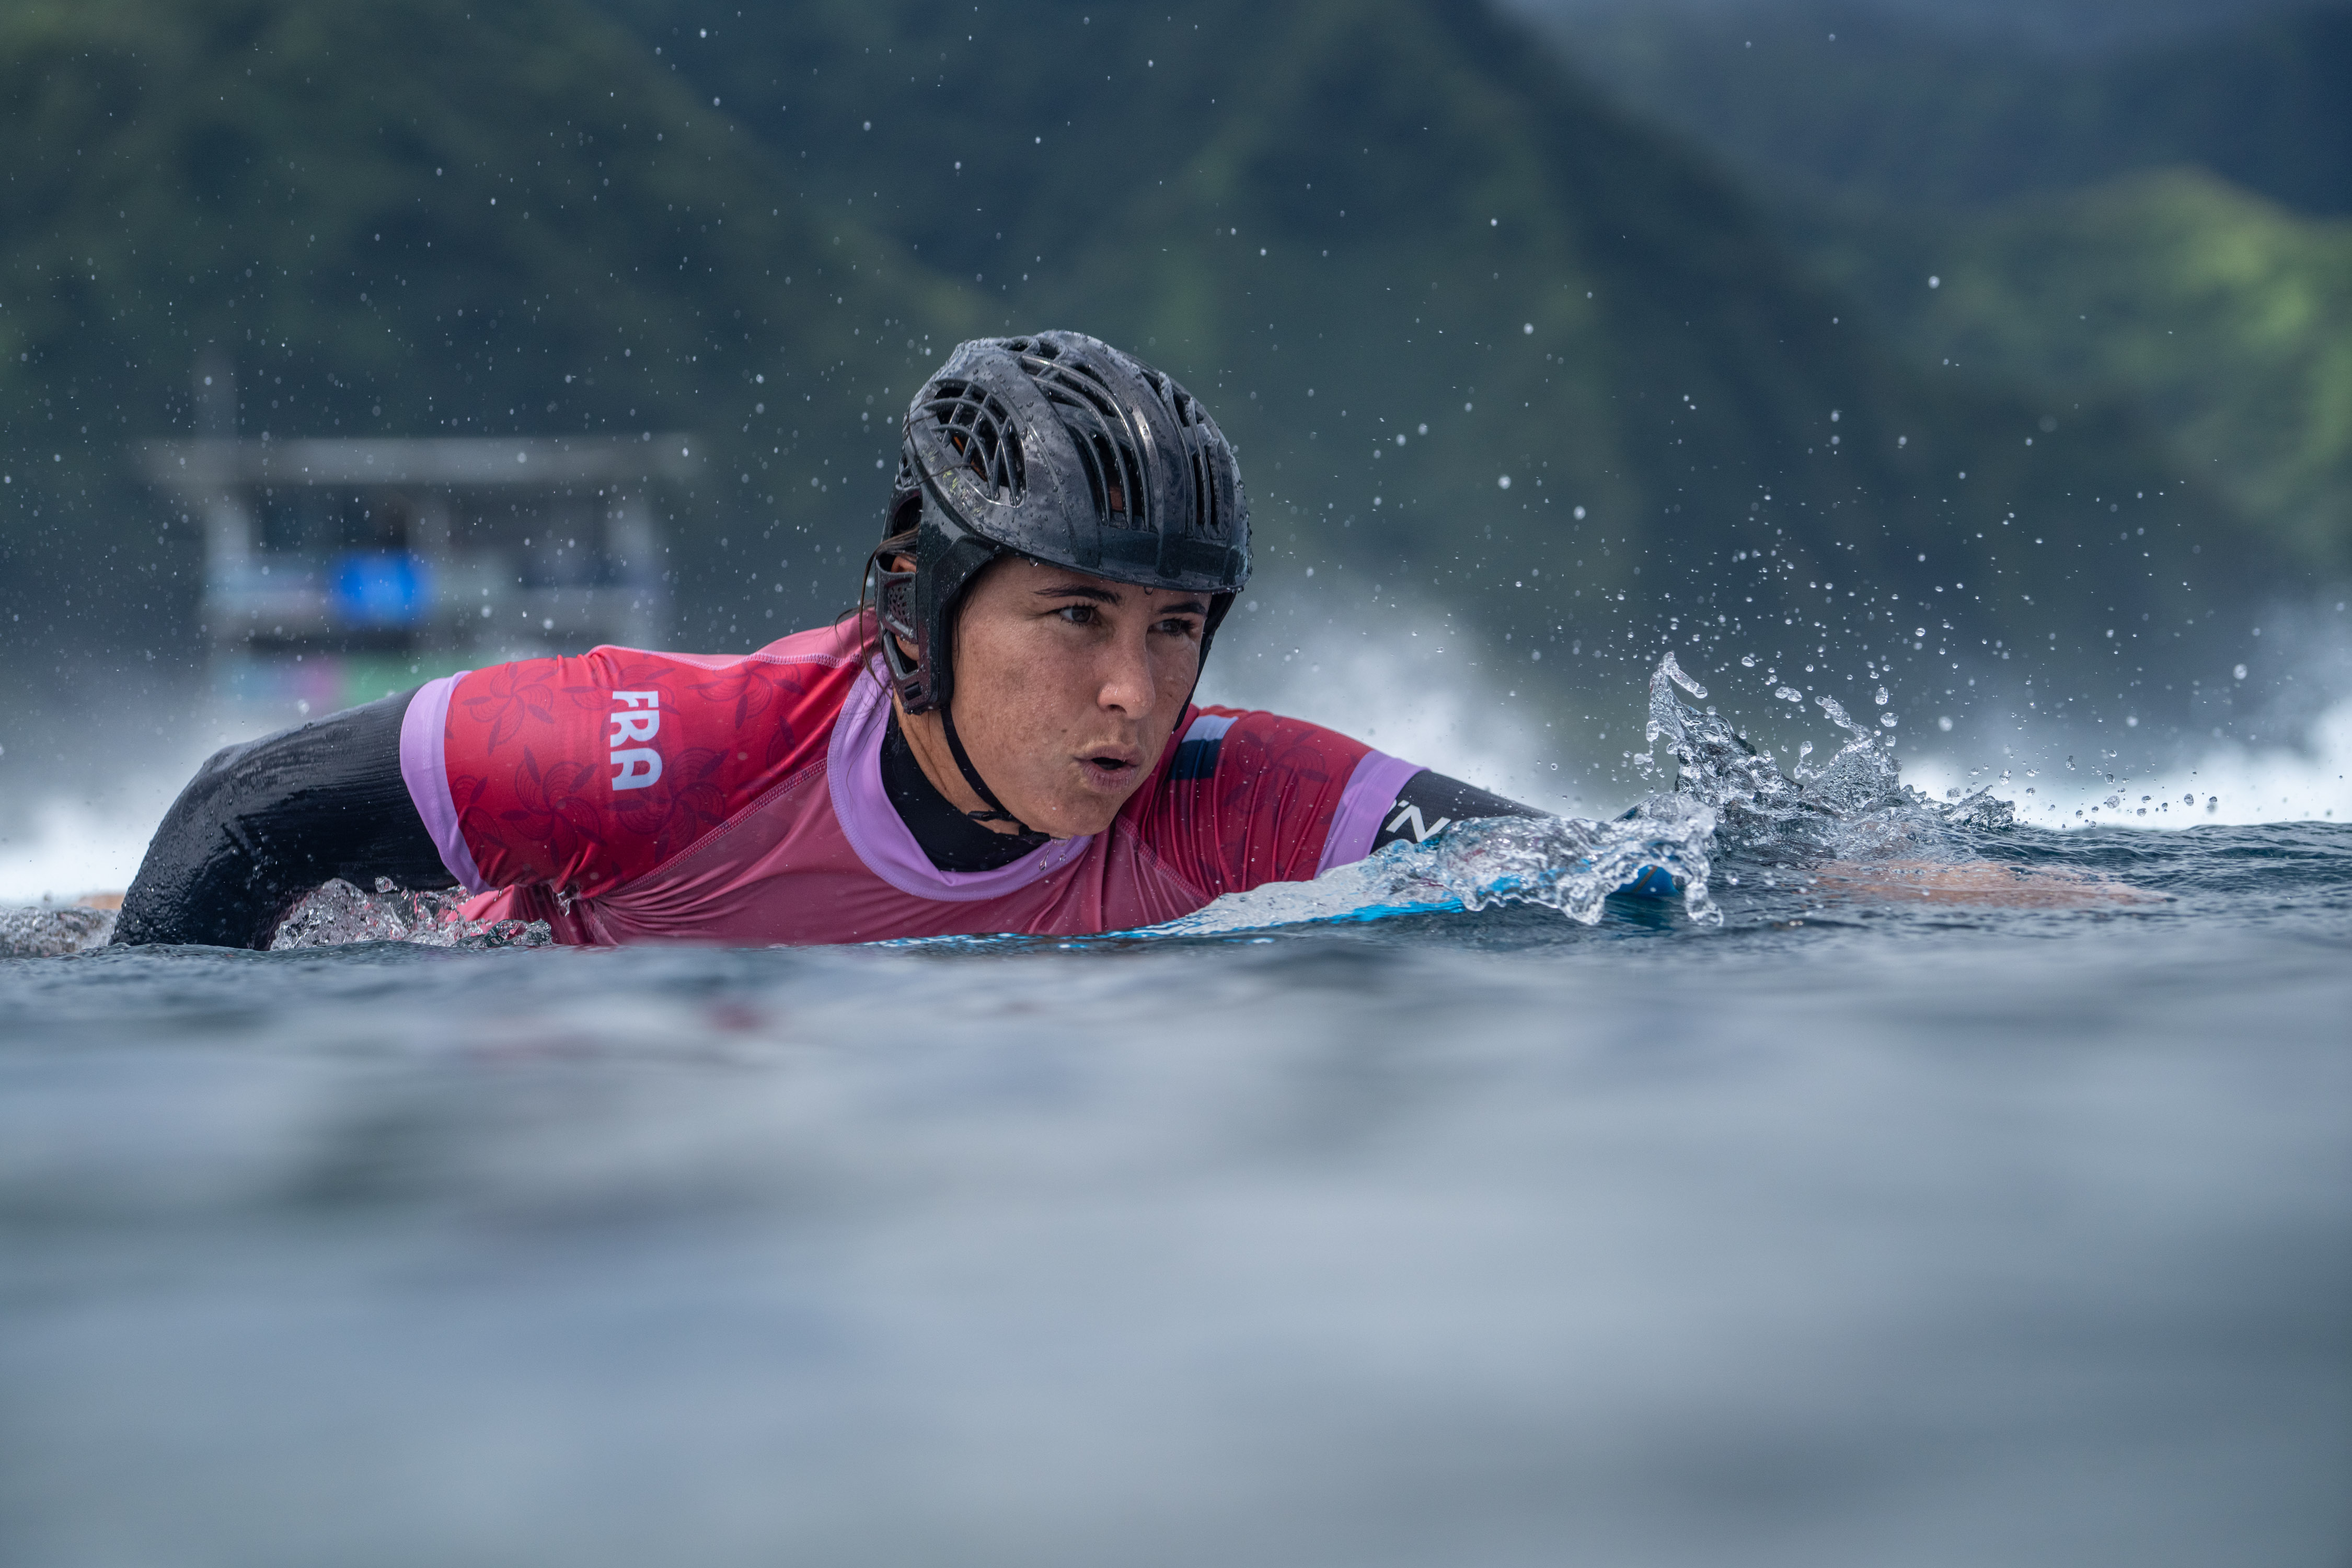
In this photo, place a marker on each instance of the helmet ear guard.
(917, 606)
(896, 629)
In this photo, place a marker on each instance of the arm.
(1430, 802)
(264, 823)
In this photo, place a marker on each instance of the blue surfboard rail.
(1654, 883)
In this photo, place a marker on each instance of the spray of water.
(2228, 783)
(335, 915)
(50, 932)
(1563, 863)
(1725, 796)
(338, 914)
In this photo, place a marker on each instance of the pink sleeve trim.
(1371, 788)
(424, 767)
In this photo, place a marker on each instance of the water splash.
(1727, 799)
(1835, 807)
(1666, 710)
(50, 930)
(338, 914)
(335, 915)
(1563, 863)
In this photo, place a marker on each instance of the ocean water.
(1917, 1187)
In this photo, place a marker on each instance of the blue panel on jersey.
(1196, 756)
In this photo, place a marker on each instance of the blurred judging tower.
(337, 572)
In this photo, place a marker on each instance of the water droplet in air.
(1746, 662)
(2240, 672)
(1887, 720)
(1882, 697)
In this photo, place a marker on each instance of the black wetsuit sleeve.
(1430, 802)
(263, 824)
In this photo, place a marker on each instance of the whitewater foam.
(57, 849)
(2229, 784)
(1399, 684)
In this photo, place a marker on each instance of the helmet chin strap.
(995, 812)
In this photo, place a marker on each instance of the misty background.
(1994, 354)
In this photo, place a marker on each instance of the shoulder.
(1246, 796)
(779, 699)
(587, 770)
(1236, 745)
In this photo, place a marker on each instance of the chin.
(1091, 810)
(1096, 818)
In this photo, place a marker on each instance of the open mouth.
(1108, 770)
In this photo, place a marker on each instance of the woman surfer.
(1005, 741)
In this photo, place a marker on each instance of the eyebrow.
(1074, 591)
(1110, 596)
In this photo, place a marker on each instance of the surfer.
(1002, 738)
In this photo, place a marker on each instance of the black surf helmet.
(1058, 448)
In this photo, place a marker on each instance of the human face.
(1066, 689)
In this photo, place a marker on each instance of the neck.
(927, 738)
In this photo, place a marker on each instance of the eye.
(1080, 615)
(1180, 625)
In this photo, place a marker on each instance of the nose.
(1127, 686)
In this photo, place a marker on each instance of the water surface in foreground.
(1847, 1231)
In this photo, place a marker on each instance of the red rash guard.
(632, 796)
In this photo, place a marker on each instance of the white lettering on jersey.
(1420, 834)
(638, 767)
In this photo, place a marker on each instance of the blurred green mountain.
(1488, 344)
(1892, 104)
(2224, 316)
(2072, 26)
(2145, 228)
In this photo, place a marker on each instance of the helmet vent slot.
(1114, 468)
(979, 430)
